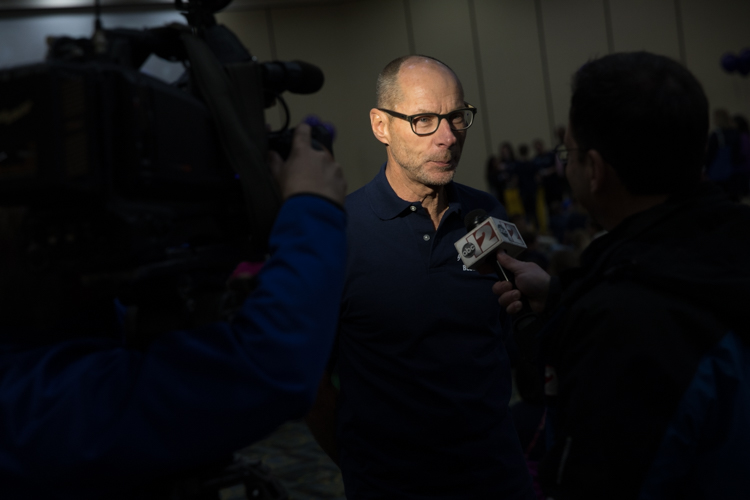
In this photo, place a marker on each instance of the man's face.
(432, 159)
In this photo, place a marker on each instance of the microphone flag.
(486, 239)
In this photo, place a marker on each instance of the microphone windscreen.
(473, 218)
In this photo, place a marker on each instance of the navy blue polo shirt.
(425, 376)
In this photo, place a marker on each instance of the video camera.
(158, 188)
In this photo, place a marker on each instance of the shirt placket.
(425, 236)
(422, 230)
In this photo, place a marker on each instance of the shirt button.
(426, 237)
(413, 208)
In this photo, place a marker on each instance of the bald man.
(424, 373)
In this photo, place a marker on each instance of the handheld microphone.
(485, 236)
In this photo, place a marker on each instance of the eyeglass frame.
(561, 148)
(409, 118)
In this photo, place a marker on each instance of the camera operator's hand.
(531, 281)
(308, 170)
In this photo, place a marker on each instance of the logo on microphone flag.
(488, 237)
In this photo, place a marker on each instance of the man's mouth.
(446, 159)
(449, 162)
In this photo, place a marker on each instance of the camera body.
(130, 186)
(131, 178)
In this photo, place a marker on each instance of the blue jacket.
(87, 418)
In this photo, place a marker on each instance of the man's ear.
(379, 123)
(600, 171)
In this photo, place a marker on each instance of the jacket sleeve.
(88, 410)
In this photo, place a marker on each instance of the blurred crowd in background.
(530, 183)
(529, 180)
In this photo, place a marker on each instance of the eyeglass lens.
(428, 123)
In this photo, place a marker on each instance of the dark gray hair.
(647, 115)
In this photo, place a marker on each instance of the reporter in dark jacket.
(645, 348)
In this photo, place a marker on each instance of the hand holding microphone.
(487, 243)
(531, 283)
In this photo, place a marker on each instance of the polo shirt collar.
(387, 205)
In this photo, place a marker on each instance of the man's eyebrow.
(420, 111)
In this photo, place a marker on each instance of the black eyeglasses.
(561, 153)
(428, 123)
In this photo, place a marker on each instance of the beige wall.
(514, 57)
(645, 25)
(574, 32)
(512, 66)
(711, 29)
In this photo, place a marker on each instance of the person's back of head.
(523, 152)
(721, 119)
(538, 145)
(506, 152)
(560, 134)
(646, 115)
(741, 124)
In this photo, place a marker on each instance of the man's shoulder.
(357, 199)
(360, 192)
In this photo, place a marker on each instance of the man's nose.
(445, 135)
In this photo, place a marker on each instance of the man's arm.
(88, 410)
